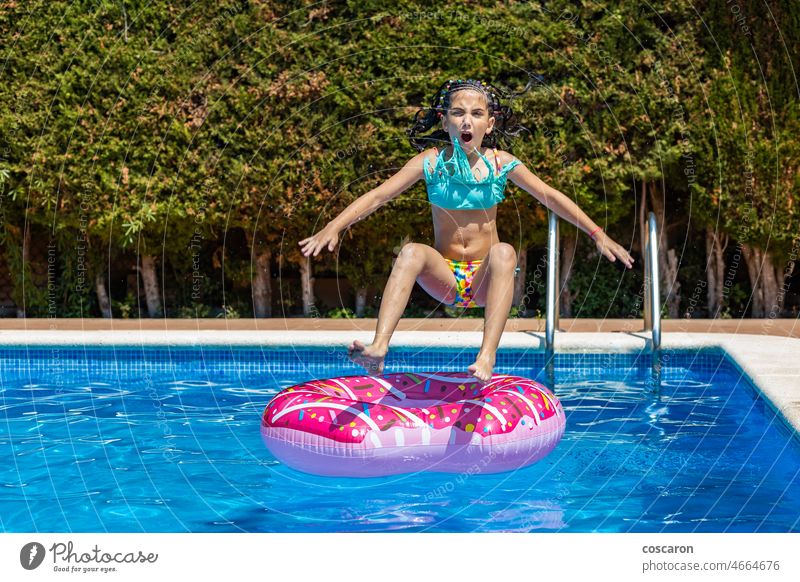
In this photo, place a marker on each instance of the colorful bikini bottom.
(464, 272)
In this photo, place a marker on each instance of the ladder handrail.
(652, 291)
(552, 311)
(652, 304)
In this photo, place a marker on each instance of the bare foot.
(369, 357)
(482, 368)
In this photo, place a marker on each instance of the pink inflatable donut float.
(366, 426)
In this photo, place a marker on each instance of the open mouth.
(466, 136)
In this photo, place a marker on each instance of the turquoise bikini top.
(461, 190)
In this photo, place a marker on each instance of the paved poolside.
(776, 327)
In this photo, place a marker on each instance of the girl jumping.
(468, 266)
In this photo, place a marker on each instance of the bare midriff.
(464, 235)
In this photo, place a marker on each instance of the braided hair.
(505, 124)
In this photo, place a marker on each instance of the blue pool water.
(167, 440)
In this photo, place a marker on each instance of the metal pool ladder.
(652, 304)
(551, 310)
(652, 292)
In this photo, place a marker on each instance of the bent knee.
(411, 254)
(502, 255)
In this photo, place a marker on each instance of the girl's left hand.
(611, 250)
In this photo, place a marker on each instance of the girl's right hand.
(314, 244)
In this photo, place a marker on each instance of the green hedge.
(187, 131)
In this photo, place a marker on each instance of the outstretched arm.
(365, 205)
(568, 210)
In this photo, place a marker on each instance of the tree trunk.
(716, 243)
(670, 277)
(752, 258)
(361, 301)
(26, 248)
(667, 259)
(766, 282)
(519, 280)
(643, 220)
(102, 294)
(567, 257)
(152, 292)
(262, 290)
(307, 286)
